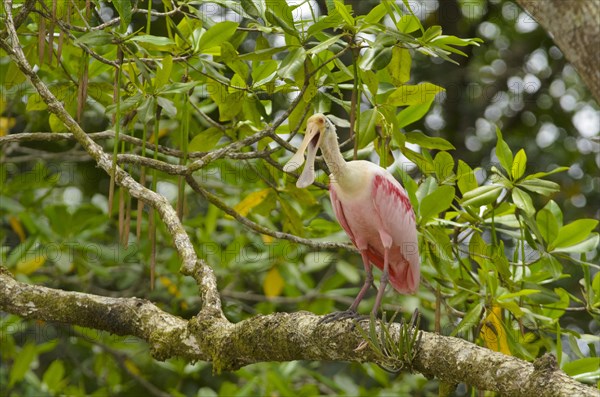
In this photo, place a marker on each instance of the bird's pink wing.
(339, 213)
(397, 219)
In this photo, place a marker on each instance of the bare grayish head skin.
(316, 127)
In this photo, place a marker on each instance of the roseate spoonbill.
(371, 206)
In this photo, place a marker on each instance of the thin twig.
(259, 228)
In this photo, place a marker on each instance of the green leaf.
(331, 21)
(513, 295)
(292, 63)
(216, 91)
(167, 105)
(551, 266)
(544, 174)
(369, 78)
(399, 67)
(264, 72)
(164, 72)
(382, 58)
(206, 140)
(413, 113)
(503, 152)
(151, 42)
(513, 307)
(366, 127)
(56, 124)
(587, 245)
(53, 377)
(519, 164)
(478, 249)
(292, 222)
(428, 186)
(375, 58)
(431, 33)
(95, 38)
(523, 201)
(21, 364)
(185, 29)
(35, 102)
(217, 34)
(439, 244)
(555, 308)
(540, 186)
(470, 320)
(584, 368)
(596, 288)
(447, 43)
(376, 14)
(279, 13)
(342, 9)
(232, 105)
(483, 195)
(251, 8)
(444, 167)
(435, 203)
(466, 179)
(177, 88)
(500, 261)
(457, 41)
(230, 56)
(413, 94)
(410, 185)
(547, 225)
(423, 162)
(262, 54)
(124, 8)
(325, 44)
(573, 233)
(428, 142)
(408, 24)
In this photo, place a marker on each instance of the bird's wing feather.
(398, 220)
(339, 213)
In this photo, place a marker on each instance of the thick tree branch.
(120, 316)
(283, 337)
(575, 28)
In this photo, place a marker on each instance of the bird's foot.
(343, 315)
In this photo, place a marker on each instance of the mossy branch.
(286, 337)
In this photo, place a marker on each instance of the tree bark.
(575, 28)
(284, 337)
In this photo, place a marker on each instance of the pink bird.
(371, 206)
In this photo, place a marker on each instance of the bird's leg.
(352, 310)
(366, 285)
(383, 281)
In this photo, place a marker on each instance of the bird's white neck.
(332, 155)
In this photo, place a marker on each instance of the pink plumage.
(383, 209)
(371, 206)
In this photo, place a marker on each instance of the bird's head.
(317, 127)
